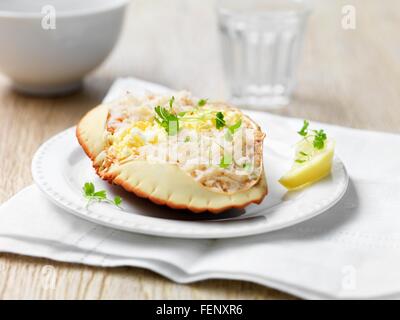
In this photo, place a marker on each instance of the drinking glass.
(261, 42)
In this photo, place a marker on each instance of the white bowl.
(47, 58)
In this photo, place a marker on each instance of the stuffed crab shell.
(177, 150)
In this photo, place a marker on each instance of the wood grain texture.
(346, 77)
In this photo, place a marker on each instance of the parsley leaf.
(232, 129)
(167, 120)
(219, 120)
(88, 189)
(319, 139)
(304, 130)
(202, 102)
(300, 161)
(319, 136)
(92, 195)
(100, 194)
(117, 200)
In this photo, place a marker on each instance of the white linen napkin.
(351, 251)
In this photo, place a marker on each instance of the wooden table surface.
(346, 77)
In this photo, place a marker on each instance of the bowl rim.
(112, 5)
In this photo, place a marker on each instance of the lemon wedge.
(310, 165)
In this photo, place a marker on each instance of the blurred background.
(340, 71)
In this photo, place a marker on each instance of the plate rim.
(238, 231)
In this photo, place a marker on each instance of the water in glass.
(261, 41)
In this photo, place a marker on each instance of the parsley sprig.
(168, 120)
(304, 130)
(92, 195)
(319, 136)
(319, 139)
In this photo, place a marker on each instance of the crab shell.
(161, 183)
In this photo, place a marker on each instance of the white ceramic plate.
(60, 168)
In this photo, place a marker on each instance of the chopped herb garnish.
(167, 120)
(187, 138)
(171, 102)
(117, 200)
(304, 130)
(300, 161)
(219, 120)
(202, 102)
(319, 139)
(88, 189)
(232, 129)
(226, 161)
(100, 194)
(303, 153)
(319, 136)
(92, 195)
